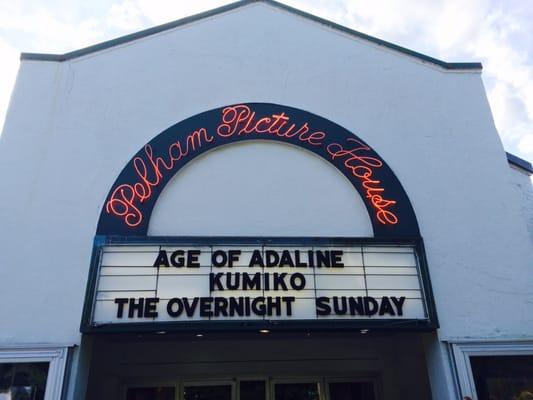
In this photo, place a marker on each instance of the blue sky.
(497, 33)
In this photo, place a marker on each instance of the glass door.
(351, 390)
(260, 389)
(286, 390)
(252, 389)
(208, 391)
(151, 393)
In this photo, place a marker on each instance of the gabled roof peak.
(170, 25)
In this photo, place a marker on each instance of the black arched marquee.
(130, 202)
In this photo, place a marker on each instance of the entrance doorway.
(259, 389)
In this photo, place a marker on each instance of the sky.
(498, 33)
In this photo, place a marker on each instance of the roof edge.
(379, 42)
(520, 163)
(477, 66)
(133, 36)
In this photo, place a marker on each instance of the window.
(151, 393)
(207, 392)
(503, 377)
(494, 370)
(256, 388)
(32, 373)
(351, 390)
(252, 390)
(21, 381)
(296, 391)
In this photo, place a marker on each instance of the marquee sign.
(143, 283)
(250, 283)
(131, 200)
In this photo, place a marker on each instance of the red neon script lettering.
(362, 167)
(150, 170)
(241, 120)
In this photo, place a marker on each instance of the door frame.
(378, 393)
(270, 382)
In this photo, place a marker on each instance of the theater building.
(255, 203)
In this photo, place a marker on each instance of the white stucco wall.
(72, 126)
(291, 191)
(522, 182)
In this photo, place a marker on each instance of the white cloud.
(126, 16)
(525, 143)
(161, 11)
(495, 32)
(41, 30)
(509, 78)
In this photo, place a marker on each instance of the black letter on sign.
(177, 259)
(356, 305)
(205, 307)
(322, 259)
(233, 257)
(398, 302)
(272, 258)
(249, 283)
(190, 307)
(340, 307)
(214, 281)
(221, 306)
(258, 306)
(279, 281)
(161, 260)
(273, 303)
(370, 301)
(120, 309)
(322, 306)
(170, 307)
(294, 281)
(286, 259)
(236, 280)
(150, 309)
(192, 258)
(336, 258)
(298, 263)
(385, 307)
(215, 258)
(139, 307)
(288, 302)
(257, 259)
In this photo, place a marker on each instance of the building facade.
(256, 203)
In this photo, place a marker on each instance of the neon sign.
(362, 167)
(239, 120)
(131, 200)
(149, 170)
